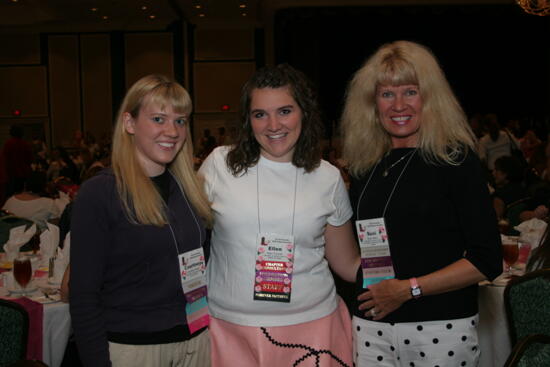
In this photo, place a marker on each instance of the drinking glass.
(22, 272)
(510, 253)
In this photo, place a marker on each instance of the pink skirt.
(326, 342)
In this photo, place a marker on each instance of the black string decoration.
(311, 351)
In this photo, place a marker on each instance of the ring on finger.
(373, 312)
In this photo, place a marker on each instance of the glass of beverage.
(510, 253)
(22, 272)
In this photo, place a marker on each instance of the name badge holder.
(274, 266)
(192, 268)
(274, 263)
(376, 261)
(193, 281)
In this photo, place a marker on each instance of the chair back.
(14, 328)
(531, 351)
(527, 302)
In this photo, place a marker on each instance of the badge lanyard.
(373, 238)
(274, 257)
(192, 265)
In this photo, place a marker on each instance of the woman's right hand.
(384, 297)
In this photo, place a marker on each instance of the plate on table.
(50, 298)
(31, 287)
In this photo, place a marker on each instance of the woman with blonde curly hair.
(137, 233)
(422, 211)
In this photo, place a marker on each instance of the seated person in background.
(538, 202)
(529, 143)
(508, 176)
(32, 203)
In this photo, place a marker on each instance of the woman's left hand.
(384, 297)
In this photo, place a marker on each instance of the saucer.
(31, 287)
(52, 298)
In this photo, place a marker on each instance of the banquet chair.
(14, 328)
(527, 300)
(531, 351)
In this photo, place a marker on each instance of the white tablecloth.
(494, 337)
(56, 328)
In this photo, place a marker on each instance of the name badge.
(193, 270)
(193, 281)
(274, 266)
(376, 259)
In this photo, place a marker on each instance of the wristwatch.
(416, 291)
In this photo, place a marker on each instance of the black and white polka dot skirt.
(416, 344)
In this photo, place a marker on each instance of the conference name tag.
(273, 267)
(376, 261)
(193, 281)
(193, 274)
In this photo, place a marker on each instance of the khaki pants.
(191, 353)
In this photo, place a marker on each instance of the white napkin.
(531, 231)
(62, 202)
(49, 239)
(18, 237)
(62, 260)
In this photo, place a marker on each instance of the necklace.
(387, 170)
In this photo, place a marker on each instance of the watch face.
(416, 292)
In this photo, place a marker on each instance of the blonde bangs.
(171, 95)
(394, 70)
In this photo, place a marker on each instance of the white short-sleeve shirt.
(321, 198)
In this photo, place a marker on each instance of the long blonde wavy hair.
(142, 201)
(444, 130)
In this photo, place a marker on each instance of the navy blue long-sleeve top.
(125, 277)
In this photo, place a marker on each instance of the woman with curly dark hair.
(281, 218)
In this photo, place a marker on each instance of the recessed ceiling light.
(152, 16)
(93, 9)
(105, 17)
(14, 1)
(143, 7)
(198, 6)
(202, 15)
(242, 6)
(244, 14)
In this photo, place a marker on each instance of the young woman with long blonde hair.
(137, 234)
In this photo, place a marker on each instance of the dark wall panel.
(148, 53)
(96, 84)
(226, 44)
(23, 88)
(219, 83)
(64, 87)
(19, 49)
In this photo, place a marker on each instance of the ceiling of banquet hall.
(103, 15)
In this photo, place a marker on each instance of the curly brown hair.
(307, 153)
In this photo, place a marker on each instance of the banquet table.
(494, 337)
(56, 322)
